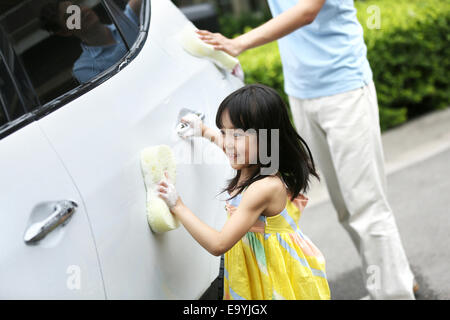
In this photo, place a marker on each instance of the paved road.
(420, 197)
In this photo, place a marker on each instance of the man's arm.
(303, 13)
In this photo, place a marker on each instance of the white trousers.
(343, 133)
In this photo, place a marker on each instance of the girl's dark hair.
(257, 106)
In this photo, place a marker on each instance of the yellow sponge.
(195, 46)
(154, 161)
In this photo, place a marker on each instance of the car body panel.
(99, 136)
(64, 264)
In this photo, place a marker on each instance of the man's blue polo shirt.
(326, 57)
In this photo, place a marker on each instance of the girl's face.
(241, 147)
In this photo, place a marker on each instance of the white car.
(72, 124)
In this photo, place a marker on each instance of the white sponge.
(195, 46)
(154, 161)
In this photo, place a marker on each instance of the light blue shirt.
(326, 57)
(96, 59)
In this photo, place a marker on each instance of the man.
(334, 106)
(102, 44)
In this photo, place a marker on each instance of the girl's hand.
(195, 124)
(233, 47)
(166, 191)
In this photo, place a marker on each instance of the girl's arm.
(214, 136)
(199, 129)
(303, 13)
(254, 202)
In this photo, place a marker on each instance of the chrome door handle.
(182, 126)
(62, 212)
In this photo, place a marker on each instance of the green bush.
(409, 56)
(263, 65)
(231, 26)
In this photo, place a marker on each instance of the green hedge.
(409, 56)
(231, 26)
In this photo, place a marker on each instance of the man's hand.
(231, 46)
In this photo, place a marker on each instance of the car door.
(47, 250)
(33, 186)
(99, 137)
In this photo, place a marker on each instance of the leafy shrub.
(231, 26)
(409, 56)
(263, 65)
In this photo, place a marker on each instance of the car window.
(127, 17)
(63, 44)
(17, 72)
(10, 102)
(3, 119)
(3, 114)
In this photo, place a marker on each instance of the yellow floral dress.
(274, 259)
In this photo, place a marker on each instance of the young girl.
(266, 254)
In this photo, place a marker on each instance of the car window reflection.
(101, 43)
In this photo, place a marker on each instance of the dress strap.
(300, 201)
